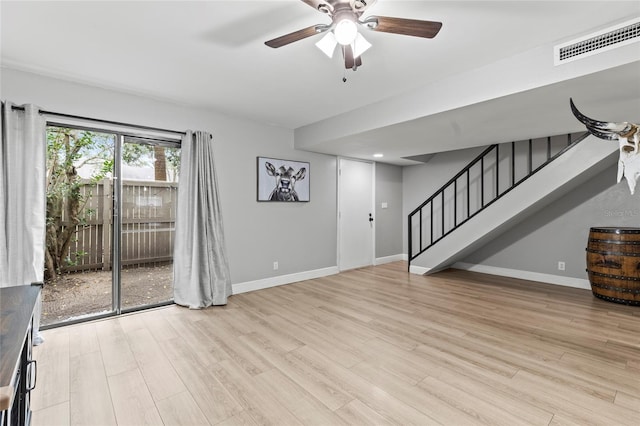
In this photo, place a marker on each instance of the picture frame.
(283, 180)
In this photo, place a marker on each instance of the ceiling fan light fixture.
(358, 4)
(360, 45)
(346, 31)
(371, 22)
(327, 44)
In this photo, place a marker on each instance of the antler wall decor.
(628, 137)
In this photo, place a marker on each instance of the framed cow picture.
(283, 180)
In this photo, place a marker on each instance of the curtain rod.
(98, 120)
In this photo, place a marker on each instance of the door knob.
(370, 218)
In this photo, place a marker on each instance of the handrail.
(453, 179)
(483, 204)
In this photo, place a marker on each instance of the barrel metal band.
(617, 300)
(634, 291)
(598, 274)
(616, 230)
(632, 243)
(613, 253)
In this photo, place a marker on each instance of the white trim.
(419, 270)
(389, 259)
(283, 279)
(525, 275)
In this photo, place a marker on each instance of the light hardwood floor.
(370, 346)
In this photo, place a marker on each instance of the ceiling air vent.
(607, 39)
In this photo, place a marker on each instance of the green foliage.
(68, 261)
(68, 151)
(143, 155)
(173, 158)
(138, 155)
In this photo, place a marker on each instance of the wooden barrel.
(613, 264)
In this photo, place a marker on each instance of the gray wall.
(559, 232)
(388, 220)
(301, 237)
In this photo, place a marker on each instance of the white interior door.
(355, 214)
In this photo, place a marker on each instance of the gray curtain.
(23, 153)
(201, 269)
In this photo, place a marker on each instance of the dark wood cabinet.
(17, 366)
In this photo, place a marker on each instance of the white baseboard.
(418, 270)
(525, 275)
(283, 279)
(389, 259)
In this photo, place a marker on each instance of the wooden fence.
(148, 225)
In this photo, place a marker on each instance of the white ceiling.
(211, 54)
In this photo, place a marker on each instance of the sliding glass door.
(148, 199)
(111, 202)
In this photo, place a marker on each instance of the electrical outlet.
(275, 266)
(561, 266)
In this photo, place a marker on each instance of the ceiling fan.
(343, 30)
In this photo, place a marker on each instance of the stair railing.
(445, 211)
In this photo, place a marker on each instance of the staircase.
(502, 186)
